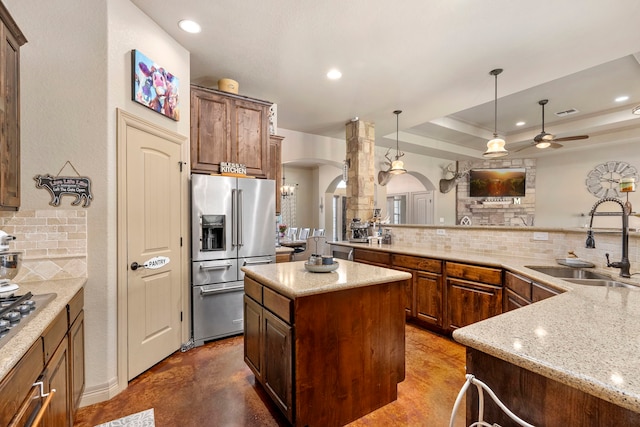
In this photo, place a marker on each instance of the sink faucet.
(624, 265)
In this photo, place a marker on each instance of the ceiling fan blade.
(572, 138)
(523, 148)
(553, 145)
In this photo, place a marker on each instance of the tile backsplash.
(53, 242)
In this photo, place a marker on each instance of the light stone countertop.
(291, 279)
(283, 250)
(587, 337)
(17, 346)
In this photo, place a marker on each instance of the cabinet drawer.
(54, 334)
(417, 263)
(277, 304)
(253, 289)
(540, 292)
(375, 257)
(492, 276)
(75, 306)
(519, 285)
(15, 386)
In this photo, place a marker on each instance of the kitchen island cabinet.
(328, 348)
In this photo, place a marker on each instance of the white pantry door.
(153, 229)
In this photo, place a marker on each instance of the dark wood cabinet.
(520, 291)
(228, 128)
(474, 293)
(76, 352)
(268, 347)
(424, 296)
(372, 257)
(538, 400)
(277, 376)
(56, 377)
(12, 39)
(56, 359)
(275, 166)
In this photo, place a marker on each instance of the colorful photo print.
(154, 87)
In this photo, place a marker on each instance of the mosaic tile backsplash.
(53, 242)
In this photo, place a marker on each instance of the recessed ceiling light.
(189, 26)
(622, 98)
(334, 74)
(521, 123)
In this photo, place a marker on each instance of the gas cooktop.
(17, 310)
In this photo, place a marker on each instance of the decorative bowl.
(325, 268)
(10, 264)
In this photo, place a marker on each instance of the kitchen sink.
(603, 282)
(568, 272)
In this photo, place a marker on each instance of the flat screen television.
(507, 182)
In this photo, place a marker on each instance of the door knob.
(135, 266)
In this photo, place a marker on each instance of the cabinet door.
(428, 298)
(57, 377)
(540, 292)
(249, 136)
(210, 131)
(469, 302)
(76, 359)
(275, 166)
(253, 336)
(367, 256)
(277, 370)
(10, 118)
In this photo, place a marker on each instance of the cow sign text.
(78, 186)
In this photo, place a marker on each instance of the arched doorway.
(410, 199)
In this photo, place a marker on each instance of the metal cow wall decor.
(58, 186)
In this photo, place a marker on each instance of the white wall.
(561, 193)
(75, 71)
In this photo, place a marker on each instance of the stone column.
(360, 137)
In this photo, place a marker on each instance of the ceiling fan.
(546, 140)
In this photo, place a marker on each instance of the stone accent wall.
(360, 137)
(509, 213)
(53, 242)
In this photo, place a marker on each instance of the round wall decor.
(604, 179)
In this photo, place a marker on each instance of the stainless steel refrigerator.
(232, 225)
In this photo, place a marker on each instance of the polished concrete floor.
(212, 386)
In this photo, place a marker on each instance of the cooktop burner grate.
(17, 310)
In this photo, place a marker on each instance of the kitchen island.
(328, 348)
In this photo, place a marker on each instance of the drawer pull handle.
(45, 405)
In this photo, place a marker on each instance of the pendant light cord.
(397, 113)
(495, 73)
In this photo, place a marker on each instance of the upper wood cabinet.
(228, 128)
(12, 39)
(275, 161)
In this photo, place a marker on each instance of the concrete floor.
(212, 386)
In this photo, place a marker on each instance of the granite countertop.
(586, 337)
(17, 346)
(293, 280)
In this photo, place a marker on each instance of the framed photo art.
(153, 86)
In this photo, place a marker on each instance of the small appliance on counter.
(9, 265)
(359, 231)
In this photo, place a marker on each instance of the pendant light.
(495, 147)
(397, 166)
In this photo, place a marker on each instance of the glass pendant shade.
(397, 167)
(495, 148)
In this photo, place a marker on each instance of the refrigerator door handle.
(240, 237)
(234, 224)
(204, 292)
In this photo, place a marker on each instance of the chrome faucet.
(624, 265)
